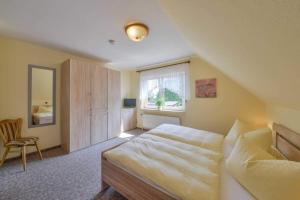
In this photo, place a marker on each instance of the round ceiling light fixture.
(136, 31)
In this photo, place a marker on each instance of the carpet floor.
(74, 176)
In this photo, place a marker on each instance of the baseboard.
(43, 150)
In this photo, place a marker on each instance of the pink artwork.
(206, 88)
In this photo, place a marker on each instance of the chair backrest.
(10, 129)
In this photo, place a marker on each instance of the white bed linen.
(43, 118)
(187, 171)
(227, 149)
(201, 138)
(230, 188)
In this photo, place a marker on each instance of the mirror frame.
(30, 67)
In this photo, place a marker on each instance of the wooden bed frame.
(286, 142)
(130, 186)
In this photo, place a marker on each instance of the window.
(164, 89)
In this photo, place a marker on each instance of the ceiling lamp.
(136, 31)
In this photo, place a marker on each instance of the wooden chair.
(10, 132)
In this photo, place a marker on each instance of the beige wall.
(214, 114)
(14, 59)
(209, 114)
(285, 116)
(129, 84)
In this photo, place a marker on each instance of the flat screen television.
(129, 103)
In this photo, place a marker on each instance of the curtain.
(168, 82)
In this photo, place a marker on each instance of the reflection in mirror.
(41, 97)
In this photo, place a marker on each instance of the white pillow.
(227, 149)
(236, 130)
(262, 175)
(261, 137)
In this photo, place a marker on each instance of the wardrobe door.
(65, 105)
(114, 103)
(99, 104)
(80, 101)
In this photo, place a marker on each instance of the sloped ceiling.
(255, 42)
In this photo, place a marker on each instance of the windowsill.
(163, 111)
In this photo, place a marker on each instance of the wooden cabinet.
(99, 110)
(80, 96)
(91, 104)
(114, 104)
(129, 119)
(99, 126)
(99, 86)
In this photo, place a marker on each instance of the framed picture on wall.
(206, 88)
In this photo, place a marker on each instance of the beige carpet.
(75, 176)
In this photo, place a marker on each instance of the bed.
(42, 114)
(144, 182)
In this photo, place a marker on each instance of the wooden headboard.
(287, 142)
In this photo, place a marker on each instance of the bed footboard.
(128, 185)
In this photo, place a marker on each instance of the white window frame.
(180, 71)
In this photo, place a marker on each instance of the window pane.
(163, 91)
(173, 91)
(152, 93)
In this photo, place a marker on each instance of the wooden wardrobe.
(91, 104)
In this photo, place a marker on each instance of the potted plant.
(160, 102)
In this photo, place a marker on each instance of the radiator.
(152, 121)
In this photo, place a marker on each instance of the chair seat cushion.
(16, 143)
(30, 138)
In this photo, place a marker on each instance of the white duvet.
(43, 118)
(187, 171)
(191, 136)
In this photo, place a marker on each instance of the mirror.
(41, 96)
